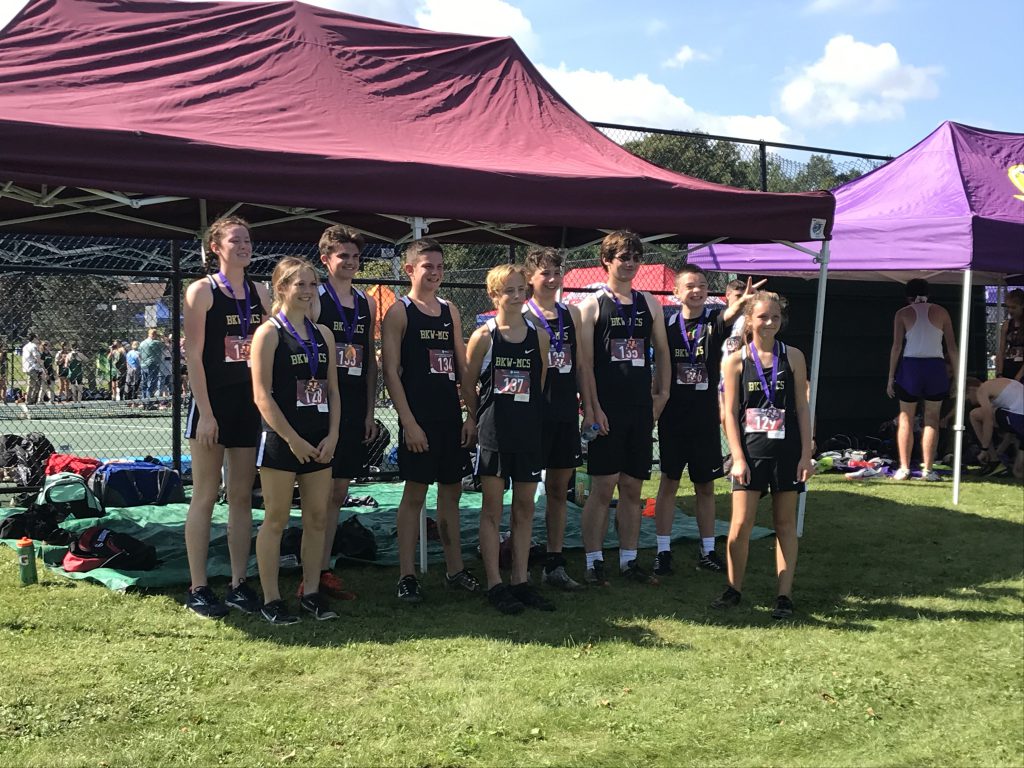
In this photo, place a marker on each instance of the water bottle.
(590, 432)
(27, 561)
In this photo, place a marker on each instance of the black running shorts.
(775, 475)
(445, 462)
(628, 446)
(238, 419)
(688, 444)
(516, 467)
(560, 445)
(274, 453)
(350, 457)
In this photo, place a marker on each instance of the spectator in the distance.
(133, 374)
(151, 354)
(32, 367)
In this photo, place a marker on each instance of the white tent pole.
(961, 384)
(418, 229)
(819, 319)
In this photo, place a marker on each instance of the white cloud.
(655, 27)
(492, 18)
(856, 82)
(684, 56)
(601, 97)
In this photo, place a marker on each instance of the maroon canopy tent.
(147, 117)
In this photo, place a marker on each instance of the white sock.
(664, 543)
(707, 544)
(625, 556)
(592, 556)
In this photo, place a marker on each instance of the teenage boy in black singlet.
(617, 328)
(689, 427)
(560, 434)
(349, 313)
(424, 361)
(509, 357)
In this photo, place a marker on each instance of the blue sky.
(871, 76)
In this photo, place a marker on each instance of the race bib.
(442, 362)
(237, 349)
(512, 382)
(310, 393)
(560, 361)
(695, 376)
(770, 421)
(350, 357)
(627, 350)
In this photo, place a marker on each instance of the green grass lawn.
(908, 649)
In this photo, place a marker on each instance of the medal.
(243, 316)
(309, 346)
(768, 393)
(556, 339)
(691, 349)
(348, 327)
(631, 322)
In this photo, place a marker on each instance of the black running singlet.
(429, 373)
(353, 352)
(561, 398)
(760, 431)
(622, 359)
(511, 398)
(302, 399)
(225, 351)
(695, 377)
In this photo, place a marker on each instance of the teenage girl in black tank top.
(296, 390)
(622, 357)
(769, 429)
(221, 314)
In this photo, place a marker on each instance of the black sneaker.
(317, 604)
(595, 576)
(464, 579)
(663, 564)
(502, 598)
(710, 562)
(276, 612)
(202, 601)
(783, 608)
(531, 597)
(633, 572)
(409, 590)
(243, 598)
(728, 599)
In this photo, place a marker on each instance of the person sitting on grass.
(295, 385)
(769, 428)
(508, 358)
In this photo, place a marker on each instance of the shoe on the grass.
(559, 579)
(502, 598)
(710, 562)
(531, 597)
(783, 607)
(242, 598)
(595, 576)
(464, 579)
(330, 585)
(409, 590)
(728, 599)
(663, 564)
(633, 572)
(901, 474)
(931, 476)
(276, 612)
(317, 604)
(203, 601)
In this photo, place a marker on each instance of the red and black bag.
(99, 547)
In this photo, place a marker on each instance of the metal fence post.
(176, 356)
(762, 152)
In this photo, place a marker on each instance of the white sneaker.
(901, 474)
(931, 476)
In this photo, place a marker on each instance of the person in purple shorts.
(917, 371)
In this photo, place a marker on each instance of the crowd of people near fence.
(138, 372)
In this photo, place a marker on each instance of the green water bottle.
(27, 561)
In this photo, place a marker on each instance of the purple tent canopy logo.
(1016, 174)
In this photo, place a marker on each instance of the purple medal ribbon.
(556, 340)
(348, 327)
(309, 346)
(631, 323)
(243, 316)
(692, 350)
(770, 394)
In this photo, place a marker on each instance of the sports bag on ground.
(99, 547)
(31, 453)
(66, 494)
(65, 462)
(136, 483)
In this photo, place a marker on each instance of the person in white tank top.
(998, 419)
(917, 371)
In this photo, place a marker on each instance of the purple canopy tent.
(952, 203)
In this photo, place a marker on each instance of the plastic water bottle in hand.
(590, 432)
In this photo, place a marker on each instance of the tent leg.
(418, 227)
(819, 318)
(961, 384)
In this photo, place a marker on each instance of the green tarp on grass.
(164, 528)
